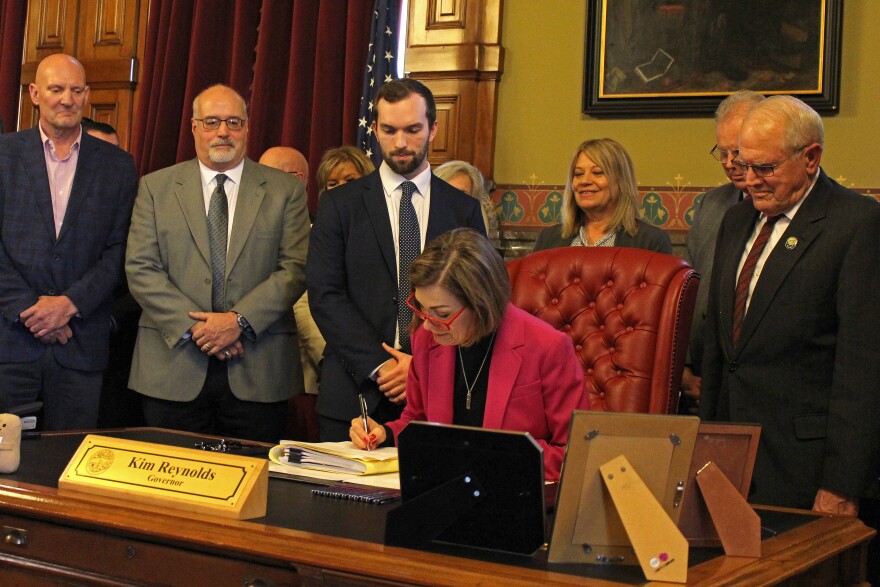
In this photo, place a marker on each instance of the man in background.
(287, 159)
(216, 258)
(366, 234)
(101, 130)
(119, 407)
(65, 200)
(704, 230)
(302, 423)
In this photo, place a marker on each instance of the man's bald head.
(287, 159)
(60, 92)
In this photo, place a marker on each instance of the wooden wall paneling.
(456, 110)
(115, 107)
(51, 28)
(453, 46)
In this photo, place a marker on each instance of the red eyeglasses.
(437, 323)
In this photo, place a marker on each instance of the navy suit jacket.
(84, 262)
(807, 364)
(351, 274)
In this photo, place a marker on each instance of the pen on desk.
(364, 418)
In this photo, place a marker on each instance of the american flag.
(381, 67)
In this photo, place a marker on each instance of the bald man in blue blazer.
(65, 205)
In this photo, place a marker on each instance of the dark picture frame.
(682, 57)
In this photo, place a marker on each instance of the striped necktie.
(218, 223)
(746, 274)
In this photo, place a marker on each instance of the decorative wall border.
(522, 206)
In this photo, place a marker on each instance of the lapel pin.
(791, 242)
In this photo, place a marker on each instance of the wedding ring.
(207, 347)
(227, 353)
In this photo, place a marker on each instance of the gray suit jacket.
(168, 264)
(700, 254)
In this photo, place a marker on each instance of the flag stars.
(388, 78)
(362, 122)
(388, 31)
(388, 56)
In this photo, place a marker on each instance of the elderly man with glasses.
(791, 340)
(708, 213)
(216, 257)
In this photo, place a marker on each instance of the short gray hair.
(802, 125)
(452, 168)
(737, 100)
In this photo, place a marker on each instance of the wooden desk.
(52, 538)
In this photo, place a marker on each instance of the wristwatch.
(243, 323)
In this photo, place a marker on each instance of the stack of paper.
(336, 457)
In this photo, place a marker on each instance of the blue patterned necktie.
(410, 245)
(218, 223)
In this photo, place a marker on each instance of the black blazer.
(807, 365)
(84, 262)
(648, 237)
(351, 274)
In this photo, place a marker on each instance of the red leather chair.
(628, 312)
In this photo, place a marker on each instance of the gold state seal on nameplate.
(100, 461)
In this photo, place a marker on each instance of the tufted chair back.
(628, 312)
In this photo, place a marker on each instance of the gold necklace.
(468, 386)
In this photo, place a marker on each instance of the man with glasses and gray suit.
(216, 258)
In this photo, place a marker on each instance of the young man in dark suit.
(358, 263)
(65, 205)
(791, 342)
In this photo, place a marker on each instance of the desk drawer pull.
(16, 536)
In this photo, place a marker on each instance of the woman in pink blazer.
(478, 360)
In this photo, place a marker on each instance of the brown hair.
(400, 89)
(463, 262)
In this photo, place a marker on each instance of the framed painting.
(682, 57)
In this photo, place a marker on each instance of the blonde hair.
(464, 262)
(615, 162)
(338, 155)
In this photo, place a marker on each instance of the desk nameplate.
(226, 485)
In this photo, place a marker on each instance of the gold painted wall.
(540, 121)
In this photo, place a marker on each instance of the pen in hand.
(363, 402)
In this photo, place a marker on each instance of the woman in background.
(600, 204)
(477, 359)
(341, 165)
(468, 179)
